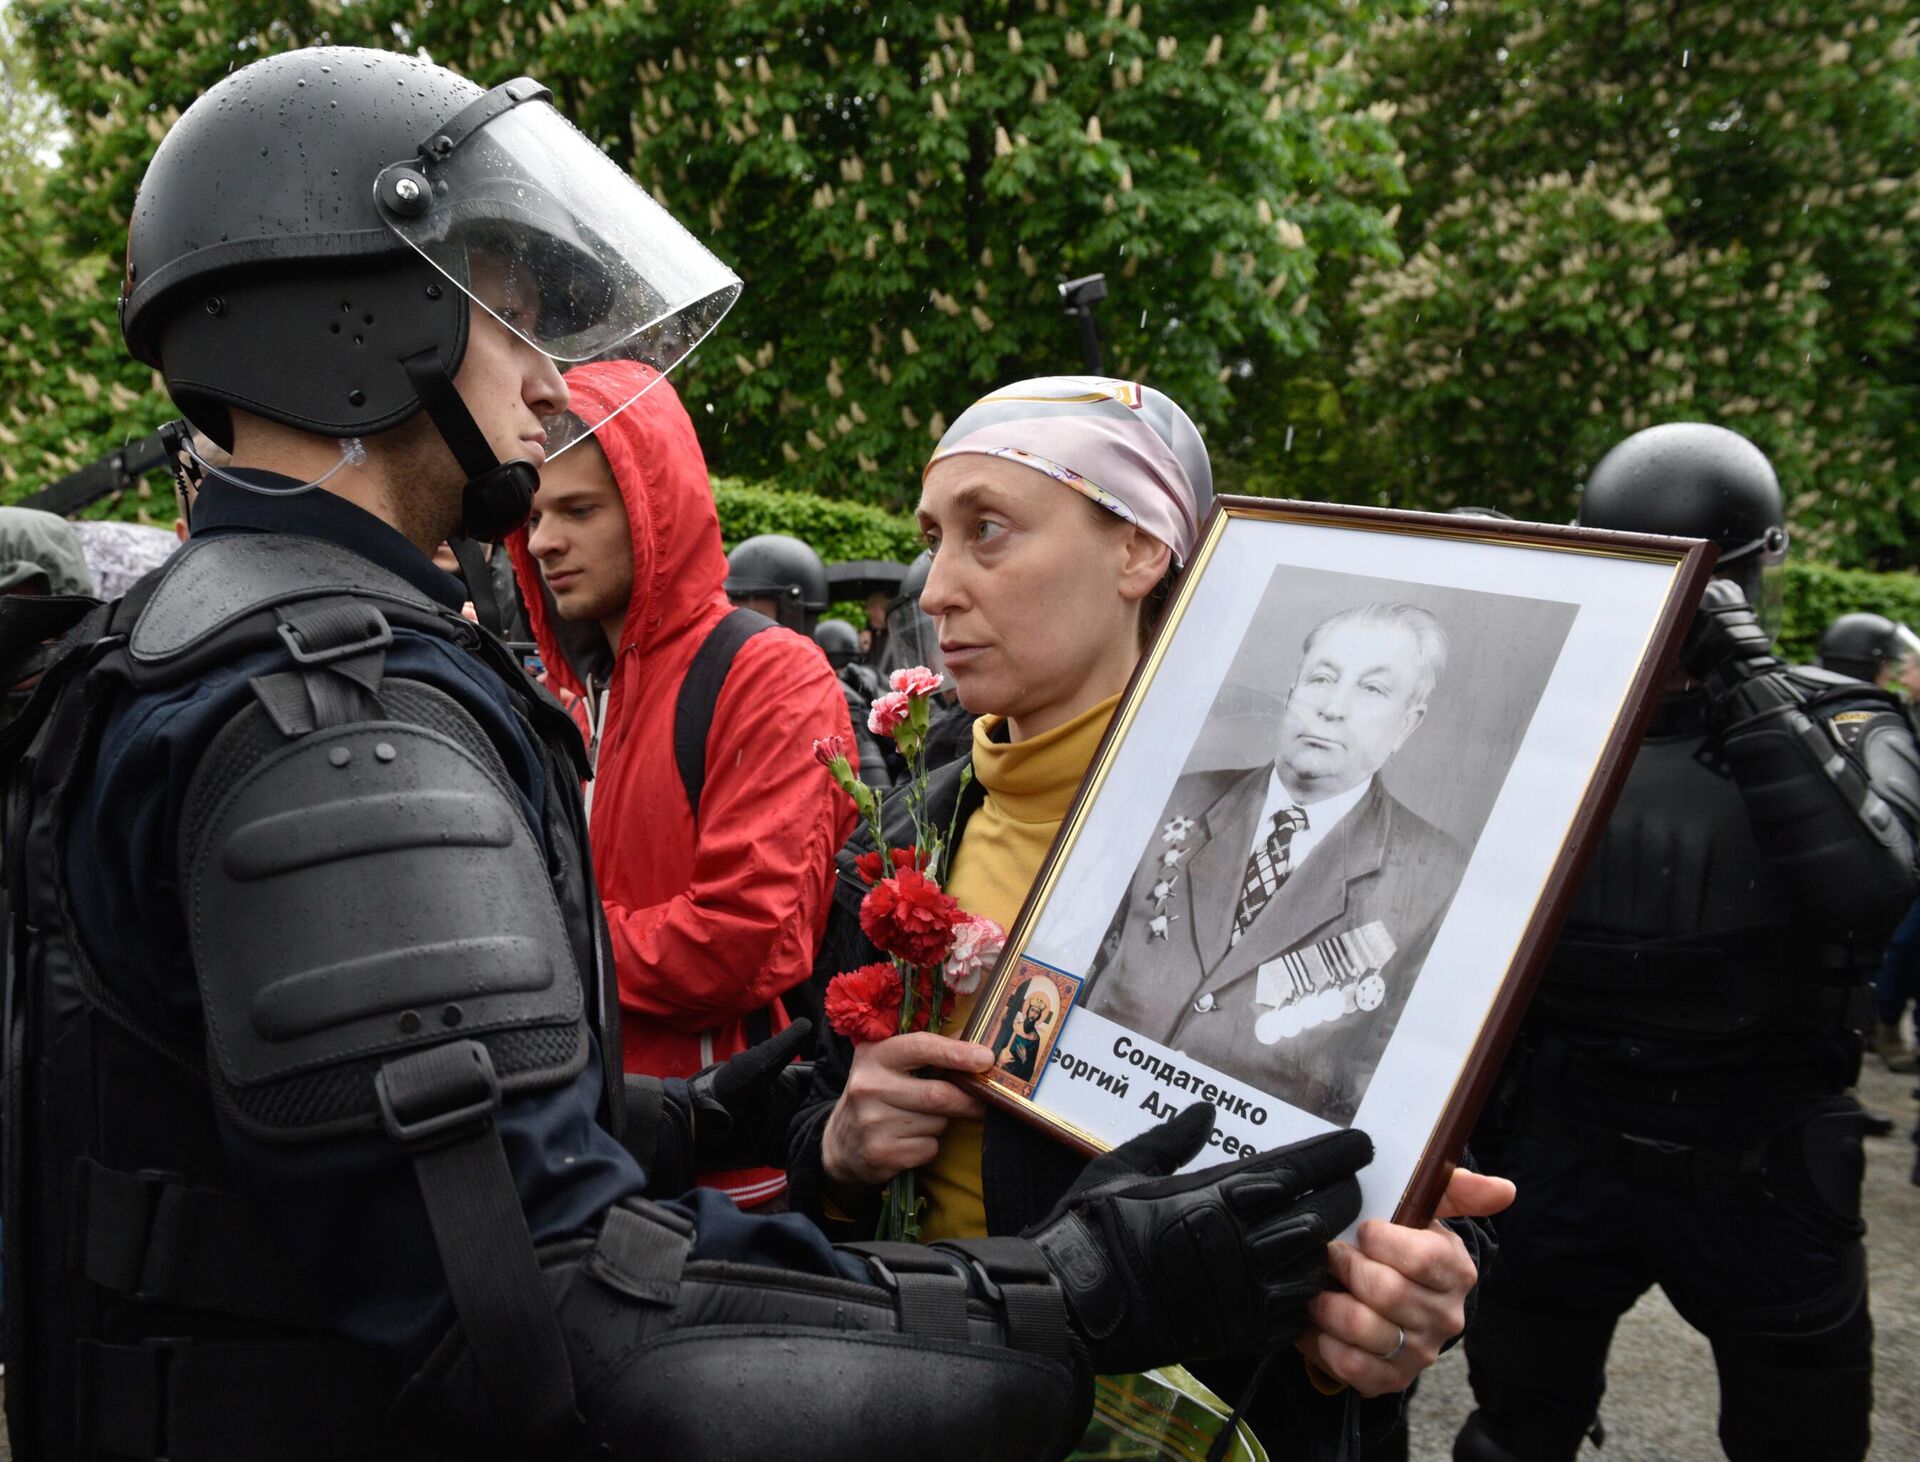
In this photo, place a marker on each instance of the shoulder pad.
(1821, 688)
(1818, 680)
(213, 582)
(362, 893)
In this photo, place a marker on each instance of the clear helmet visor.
(912, 639)
(1903, 660)
(1759, 568)
(543, 231)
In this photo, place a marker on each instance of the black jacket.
(1023, 1173)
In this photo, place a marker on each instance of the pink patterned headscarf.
(1127, 447)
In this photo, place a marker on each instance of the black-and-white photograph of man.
(1277, 923)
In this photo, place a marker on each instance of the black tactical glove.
(1159, 1269)
(743, 1106)
(1726, 643)
(734, 1114)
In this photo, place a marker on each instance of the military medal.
(1168, 874)
(1322, 982)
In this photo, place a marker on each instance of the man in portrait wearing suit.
(1278, 921)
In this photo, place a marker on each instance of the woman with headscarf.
(1058, 511)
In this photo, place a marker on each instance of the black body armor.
(384, 951)
(1694, 948)
(176, 1326)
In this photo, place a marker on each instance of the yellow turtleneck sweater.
(1029, 786)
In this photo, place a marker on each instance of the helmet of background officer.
(1692, 480)
(311, 238)
(1873, 648)
(912, 636)
(1057, 511)
(780, 577)
(40, 553)
(839, 641)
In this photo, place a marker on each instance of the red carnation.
(867, 865)
(864, 1004)
(908, 916)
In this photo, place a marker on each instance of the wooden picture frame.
(1448, 872)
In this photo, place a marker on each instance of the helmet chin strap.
(498, 495)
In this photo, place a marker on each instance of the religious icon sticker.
(1032, 1009)
(1326, 844)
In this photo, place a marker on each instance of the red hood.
(679, 567)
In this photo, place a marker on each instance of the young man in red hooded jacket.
(715, 911)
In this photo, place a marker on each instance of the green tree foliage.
(1625, 212)
(901, 187)
(69, 393)
(114, 77)
(1816, 595)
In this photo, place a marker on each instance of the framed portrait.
(1332, 832)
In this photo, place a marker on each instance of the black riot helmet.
(1693, 480)
(840, 641)
(311, 237)
(1863, 645)
(912, 636)
(783, 569)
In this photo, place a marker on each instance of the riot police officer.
(861, 685)
(1872, 648)
(1682, 1113)
(308, 1124)
(1883, 652)
(781, 577)
(840, 643)
(914, 639)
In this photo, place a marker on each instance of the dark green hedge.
(1817, 594)
(838, 531)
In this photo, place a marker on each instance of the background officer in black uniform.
(780, 576)
(914, 639)
(1872, 648)
(1682, 1116)
(309, 1147)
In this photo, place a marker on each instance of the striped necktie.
(1267, 868)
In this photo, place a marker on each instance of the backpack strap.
(693, 722)
(700, 693)
(48, 639)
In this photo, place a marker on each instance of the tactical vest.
(1681, 928)
(148, 1310)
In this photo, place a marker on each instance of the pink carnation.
(976, 945)
(915, 680)
(829, 749)
(890, 711)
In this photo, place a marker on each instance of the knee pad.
(1796, 1381)
(1474, 1445)
(1538, 1379)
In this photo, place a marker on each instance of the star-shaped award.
(1177, 830)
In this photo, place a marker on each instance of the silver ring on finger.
(1399, 1345)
